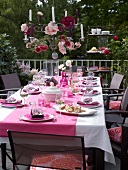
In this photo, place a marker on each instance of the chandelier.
(53, 35)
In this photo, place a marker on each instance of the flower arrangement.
(51, 39)
(25, 73)
(68, 63)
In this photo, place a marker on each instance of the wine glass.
(79, 74)
(56, 71)
(24, 94)
(59, 100)
(75, 91)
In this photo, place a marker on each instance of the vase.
(63, 80)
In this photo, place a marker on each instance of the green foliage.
(8, 55)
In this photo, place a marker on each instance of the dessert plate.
(84, 112)
(28, 118)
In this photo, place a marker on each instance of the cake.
(93, 49)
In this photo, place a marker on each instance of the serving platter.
(84, 112)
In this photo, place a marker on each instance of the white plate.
(93, 85)
(85, 112)
(8, 105)
(27, 117)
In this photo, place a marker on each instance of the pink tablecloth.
(65, 125)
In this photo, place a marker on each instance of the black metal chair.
(10, 82)
(120, 146)
(117, 116)
(114, 86)
(48, 151)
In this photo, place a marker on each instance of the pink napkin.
(88, 104)
(92, 83)
(92, 92)
(90, 78)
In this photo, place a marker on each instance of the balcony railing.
(114, 65)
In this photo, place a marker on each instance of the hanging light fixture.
(56, 35)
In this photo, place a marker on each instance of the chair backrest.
(116, 81)
(124, 102)
(31, 149)
(74, 68)
(10, 81)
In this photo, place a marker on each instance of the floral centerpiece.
(55, 36)
(25, 73)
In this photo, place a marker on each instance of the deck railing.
(114, 65)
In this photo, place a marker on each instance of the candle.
(70, 30)
(76, 18)
(53, 14)
(82, 32)
(31, 30)
(39, 19)
(25, 37)
(66, 13)
(30, 15)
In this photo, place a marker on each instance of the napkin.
(91, 92)
(90, 78)
(11, 103)
(88, 104)
(91, 83)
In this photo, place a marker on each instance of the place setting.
(89, 103)
(37, 115)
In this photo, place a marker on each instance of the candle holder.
(55, 35)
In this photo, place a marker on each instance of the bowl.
(50, 93)
(105, 32)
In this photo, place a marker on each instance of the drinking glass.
(60, 100)
(79, 74)
(24, 95)
(75, 91)
(10, 93)
(56, 71)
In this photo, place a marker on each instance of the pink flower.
(67, 43)
(43, 47)
(69, 63)
(28, 45)
(77, 44)
(71, 46)
(24, 27)
(37, 49)
(62, 49)
(51, 29)
(66, 21)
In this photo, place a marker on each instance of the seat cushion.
(62, 161)
(115, 134)
(114, 105)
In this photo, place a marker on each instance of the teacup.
(98, 31)
(93, 31)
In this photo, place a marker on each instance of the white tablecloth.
(93, 128)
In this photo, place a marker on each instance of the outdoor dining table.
(92, 127)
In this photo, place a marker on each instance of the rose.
(71, 46)
(62, 49)
(77, 44)
(37, 49)
(115, 38)
(106, 52)
(24, 27)
(43, 47)
(67, 20)
(51, 29)
(69, 63)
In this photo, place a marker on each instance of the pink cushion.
(58, 160)
(114, 105)
(115, 134)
